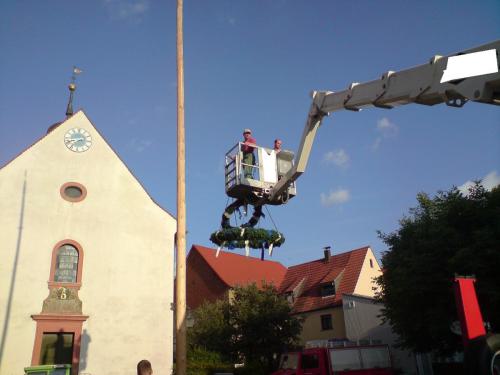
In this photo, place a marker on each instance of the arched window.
(66, 264)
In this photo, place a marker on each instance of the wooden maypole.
(180, 305)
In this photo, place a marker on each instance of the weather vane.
(72, 88)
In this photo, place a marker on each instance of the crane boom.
(472, 74)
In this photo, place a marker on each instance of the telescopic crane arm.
(472, 74)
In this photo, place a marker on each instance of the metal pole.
(180, 305)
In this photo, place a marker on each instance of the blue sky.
(252, 64)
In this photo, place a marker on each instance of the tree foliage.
(203, 362)
(211, 329)
(450, 234)
(253, 326)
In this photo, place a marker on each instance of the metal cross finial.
(76, 71)
(72, 88)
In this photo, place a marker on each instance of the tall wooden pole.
(180, 305)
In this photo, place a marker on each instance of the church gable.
(74, 151)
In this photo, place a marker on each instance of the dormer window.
(289, 297)
(328, 290)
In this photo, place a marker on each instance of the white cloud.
(132, 10)
(376, 143)
(337, 157)
(387, 129)
(489, 181)
(464, 189)
(139, 145)
(335, 197)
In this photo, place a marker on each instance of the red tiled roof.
(319, 272)
(234, 269)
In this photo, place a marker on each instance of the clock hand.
(73, 140)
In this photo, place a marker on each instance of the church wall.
(127, 242)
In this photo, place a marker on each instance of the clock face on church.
(77, 140)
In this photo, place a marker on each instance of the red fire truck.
(349, 360)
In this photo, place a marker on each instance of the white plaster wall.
(363, 322)
(366, 282)
(127, 281)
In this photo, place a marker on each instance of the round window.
(73, 192)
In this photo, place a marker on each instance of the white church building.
(87, 259)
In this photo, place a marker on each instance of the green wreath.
(255, 238)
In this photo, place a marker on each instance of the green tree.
(212, 330)
(204, 362)
(443, 236)
(254, 327)
(264, 325)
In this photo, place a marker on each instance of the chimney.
(327, 253)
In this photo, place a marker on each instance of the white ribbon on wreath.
(218, 249)
(272, 244)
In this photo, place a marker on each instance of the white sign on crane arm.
(470, 65)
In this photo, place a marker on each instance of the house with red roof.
(334, 294)
(210, 276)
(315, 290)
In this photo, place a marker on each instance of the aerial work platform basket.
(255, 181)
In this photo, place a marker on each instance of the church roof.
(234, 269)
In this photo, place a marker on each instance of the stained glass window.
(66, 264)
